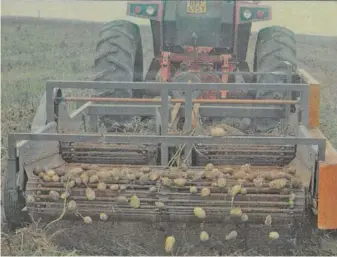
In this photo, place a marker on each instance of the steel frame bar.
(168, 140)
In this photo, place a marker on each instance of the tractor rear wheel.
(275, 51)
(119, 57)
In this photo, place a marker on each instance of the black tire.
(274, 46)
(14, 202)
(119, 57)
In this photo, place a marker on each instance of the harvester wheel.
(14, 202)
(119, 57)
(275, 51)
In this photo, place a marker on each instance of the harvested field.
(34, 51)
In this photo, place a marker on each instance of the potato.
(37, 170)
(184, 167)
(138, 174)
(199, 212)
(209, 166)
(94, 167)
(91, 173)
(180, 182)
(217, 132)
(103, 216)
(243, 191)
(122, 187)
(235, 190)
(75, 171)
(42, 174)
(30, 199)
(241, 181)
(292, 197)
(278, 183)
(90, 194)
(274, 235)
(174, 173)
(232, 235)
(78, 181)
(71, 184)
(55, 178)
(153, 189)
(250, 176)
(244, 217)
(65, 195)
(154, 176)
(121, 199)
(71, 206)
(46, 178)
(291, 170)
(144, 179)
(221, 183)
(115, 172)
(266, 175)
(114, 187)
(85, 178)
(87, 220)
(135, 202)
(268, 220)
(85, 167)
(55, 196)
(93, 179)
(50, 173)
(204, 236)
(236, 212)
(240, 174)
(258, 182)
(145, 170)
(193, 189)
(205, 192)
(228, 170)
(101, 186)
(166, 181)
(60, 172)
(103, 175)
(169, 244)
(159, 205)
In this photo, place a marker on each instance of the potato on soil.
(174, 173)
(169, 244)
(199, 212)
(121, 199)
(114, 187)
(217, 132)
(103, 175)
(235, 190)
(87, 220)
(71, 184)
(84, 178)
(145, 170)
(93, 179)
(268, 220)
(232, 235)
(50, 173)
(144, 179)
(41, 175)
(134, 201)
(78, 181)
(166, 181)
(193, 189)
(274, 235)
(91, 173)
(236, 212)
(228, 170)
(204, 236)
(180, 182)
(30, 199)
(103, 216)
(278, 183)
(37, 170)
(90, 194)
(205, 192)
(250, 176)
(55, 178)
(60, 172)
(71, 206)
(101, 186)
(159, 205)
(241, 181)
(55, 196)
(138, 174)
(209, 167)
(266, 175)
(291, 170)
(240, 174)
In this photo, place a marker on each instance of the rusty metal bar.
(204, 101)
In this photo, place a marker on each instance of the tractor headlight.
(247, 14)
(150, 10)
